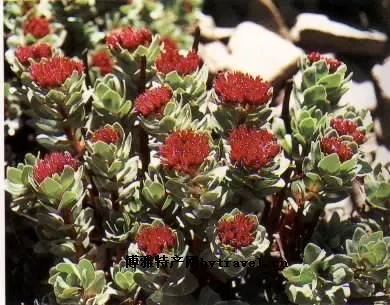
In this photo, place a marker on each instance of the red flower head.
(23, 54)
(107, 135)
(185, 151)
(237, 232)
(170, 60)
(129, 38)
(153, 101)
(54, 71)
(103, 61)
(37, 27)
(156, 240)
(168, 44)
(52, 164)
(332, 63)
(336, 145)
(252, 148)
(240, 88)
(347, 127)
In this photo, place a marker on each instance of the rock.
(318, 31)
(215, 55)
(210, 31)
(343, 208)
(258, 51)
(382, 155)
(361, 95)
(266, 13)
(381, 74)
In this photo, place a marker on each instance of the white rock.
(318, 31)
(215, 55)
(381, 74)
(361, 95)
(258, 51)
(382, 155)
(343, 208)
(209, 30)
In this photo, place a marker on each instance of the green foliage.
(371, 261)
(320, 279)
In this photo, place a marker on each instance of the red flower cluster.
(103, 61)
(107, 135)
(332, 63)
(237, 232)
(347, 127)
(23, 54)
(37, 27)
(153, 101)
(154, 240)
(129, 38)
(252, 148)
(240, 88)
(168, 44)
(185, 151)
(52, 164)
(170, 60)
(335, 145)
(54, 71)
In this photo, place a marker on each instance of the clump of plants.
(154, 187)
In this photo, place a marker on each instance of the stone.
(215, 55)
(382, 155)
(343, 208)
(319, 32)
(258, 51)
(209, 31)
(266, 13)
(381, 75)
(361, 95)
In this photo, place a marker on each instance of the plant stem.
(286, 106)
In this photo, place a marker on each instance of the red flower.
(37, 27)
(252, 148)
(333, 64)
(170, 60)
(347, 127)
(335, 145)
(185, 151)
(54, 71)
(240, 88)
(153, 101)
(237, 232)
(168, 44)
(52, 164)
(129, 38)
(23, 54)
(155, 240)
(107, 135)
(103, 61)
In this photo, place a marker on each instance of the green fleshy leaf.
(330, 164)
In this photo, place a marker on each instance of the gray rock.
(210, 31)
(361, 95)
(382, 155)
(318, 31)
(343, 208)
(258, 51)
(381, 74)
(215, 55)
(266, 13)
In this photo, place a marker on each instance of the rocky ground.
(266, 38)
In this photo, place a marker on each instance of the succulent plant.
(79, 283)
(377, 187)
(110, 99)
(320, 279)
(323, 82)
(371, 262)
(237, 237)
